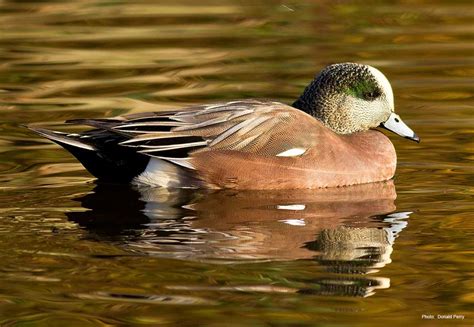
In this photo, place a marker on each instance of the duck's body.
(310, 156)
(247, 144)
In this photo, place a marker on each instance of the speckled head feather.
(348, 98)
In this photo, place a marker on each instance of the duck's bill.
(395, 124)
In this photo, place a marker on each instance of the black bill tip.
(415, 138)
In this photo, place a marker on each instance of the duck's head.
(350, 97)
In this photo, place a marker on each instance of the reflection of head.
(352, 250)
(358, 250)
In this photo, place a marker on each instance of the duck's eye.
(371, 95)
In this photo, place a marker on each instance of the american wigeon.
(325, 139)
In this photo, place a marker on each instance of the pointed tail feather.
(61, 138)
(107, 161)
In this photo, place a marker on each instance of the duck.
(329, 137)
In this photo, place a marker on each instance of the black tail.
(100, 153)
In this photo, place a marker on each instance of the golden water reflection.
(349, 231)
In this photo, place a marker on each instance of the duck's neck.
(303, 106)
(311, 106)
(321, 112)
(308, 100)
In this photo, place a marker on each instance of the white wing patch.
(295, 152)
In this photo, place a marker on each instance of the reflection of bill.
(349, 231)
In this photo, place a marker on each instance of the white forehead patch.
(384, 84)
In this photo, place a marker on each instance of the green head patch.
(366, 90)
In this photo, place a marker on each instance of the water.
(77, 254)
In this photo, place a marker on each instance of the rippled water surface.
(74, 253)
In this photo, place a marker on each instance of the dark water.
(76, 254)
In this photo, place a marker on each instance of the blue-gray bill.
(396, 125)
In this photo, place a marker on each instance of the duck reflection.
(349, 231)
